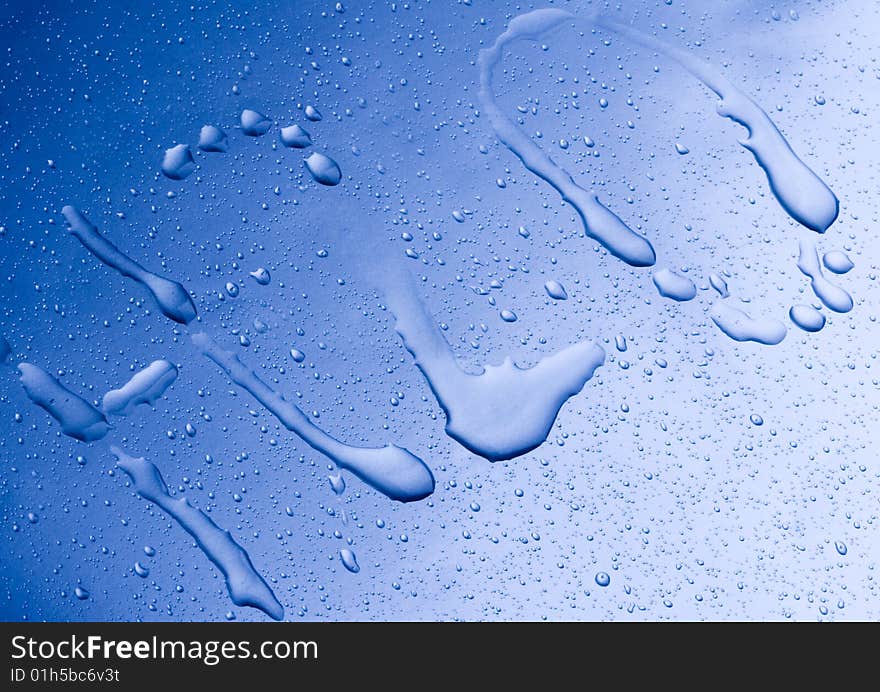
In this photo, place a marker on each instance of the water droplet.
(295, 137)
(807, 317)
(323, 169)
(254, 124)
(675, 286)
(508, 316)
(212, 139)
(391, 470)
(245, 585)
(719, 284)
(349, 560)
(837, 262)
(77, 417)
(145, 387)
(172, 298)
(555, 290)
(261, 276)
(832, 295)
(504, 411)
(740, 326)
(178, 162)
(337, 483)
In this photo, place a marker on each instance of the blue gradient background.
(653, 475)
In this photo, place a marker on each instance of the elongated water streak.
(77, 417)
(145, 387)
(245, 585)
(391, 470)
(173, 299)
(803, 195)
(599, 222)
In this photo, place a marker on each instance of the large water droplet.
(807, 317)
(672, 285)
(212, 139)
(295, 137)
(837, 261)
(178, 162)
(349, 560)
(555, 290)
(323, 169)
(254, 123)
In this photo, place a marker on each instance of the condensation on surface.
(629, 379)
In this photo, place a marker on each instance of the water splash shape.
(505, 411)
(600, 223)
(391, 470)
(245, 585)
(145, 387)
(172, 298)
(77, 417)
(832, 295)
